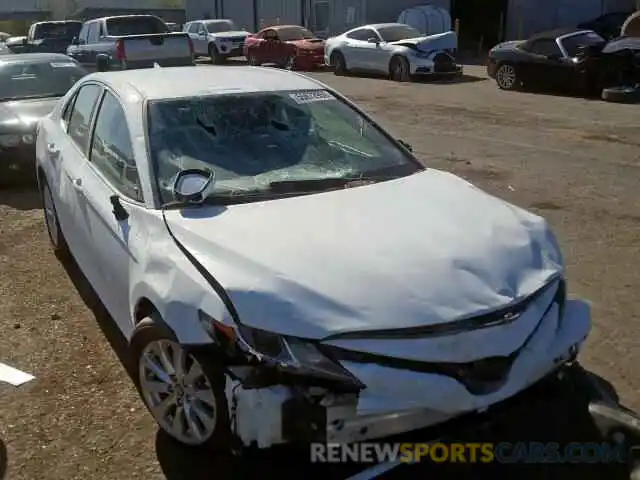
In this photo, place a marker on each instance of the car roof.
(383, 25)
(34, 58)
(177, 82)
(110, 17)
(555, 33)
(58, 21)
(280, 27)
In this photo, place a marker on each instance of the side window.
(92, 37)
(363, 34)
(68, 108)
(270, 35)
(79, 127)
(545, 47)
(111, 150)
(194, 27)
(84, 33)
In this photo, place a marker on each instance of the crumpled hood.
(25, 114)
(309, 43)
(430, 43)
(420, 250)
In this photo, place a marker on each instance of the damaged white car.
(393, 49)
(284, 269)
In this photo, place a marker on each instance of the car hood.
(233, 34)
(422, 250)
(508, 45)
(309, 44)
(429, 43)
(25, 114)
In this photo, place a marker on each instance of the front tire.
(215, 56)
(339, 64)
(52, 223)
(399, 69)
(507, 77)
(184, 392)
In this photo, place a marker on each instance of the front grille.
(479, 377)
(443, 63)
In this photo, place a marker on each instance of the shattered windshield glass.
(252, 140)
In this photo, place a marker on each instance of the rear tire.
(507, 77)
(399, 69)
(56, 237)
(339, 64)
(215, 56)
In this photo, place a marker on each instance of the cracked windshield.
(260, 143)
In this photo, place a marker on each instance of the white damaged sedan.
(285, 270)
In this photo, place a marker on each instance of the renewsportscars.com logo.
(503, 452)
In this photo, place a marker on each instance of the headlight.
(419, 54)
(9, 141)
(288, 354)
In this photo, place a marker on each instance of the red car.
(288, 46)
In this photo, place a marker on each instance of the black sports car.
(574, 60)
(30, 86)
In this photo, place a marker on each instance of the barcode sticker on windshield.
(62, 64)
(311, 96)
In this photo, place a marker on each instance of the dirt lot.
(572, 160)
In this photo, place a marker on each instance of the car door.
(200, 41)
(546, 63)
(114, 203)
(68, 145)
(273, 49)
(357, 49)
(79, 50)
(92, 46)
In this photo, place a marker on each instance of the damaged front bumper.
(396, 400)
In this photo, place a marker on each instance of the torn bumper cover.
(333, 391)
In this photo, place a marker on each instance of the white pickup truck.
(129, 42)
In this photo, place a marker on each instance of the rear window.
(66, 30)
(120, 27)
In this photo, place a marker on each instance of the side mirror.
(373, 40)
(405, 145)
(102, 63)
(202, 33)
(75, 41)
(190, 185)
(25, 41)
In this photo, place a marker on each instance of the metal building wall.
(283, 12)
(241, 12)
(380, 11)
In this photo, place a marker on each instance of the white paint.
(422, 250)
(14, 376)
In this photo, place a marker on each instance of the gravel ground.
(572, 160)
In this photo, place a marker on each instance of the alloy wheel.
(177, 392)
(506, 77)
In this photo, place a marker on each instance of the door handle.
(53, 151)
(77, 184)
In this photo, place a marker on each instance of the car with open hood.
(30, 86)
(218, 39)
(393, 49)
(287, 46)
(566, 59)
(273, 256)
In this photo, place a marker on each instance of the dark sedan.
(579, 61)
(30, 86)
